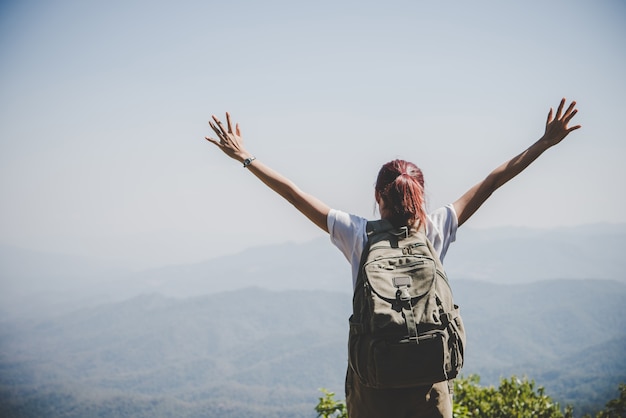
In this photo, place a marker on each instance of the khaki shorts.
(419, 402)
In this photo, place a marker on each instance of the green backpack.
(405, 329)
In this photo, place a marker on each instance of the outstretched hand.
(556, 131)
(230, 142)
(556, 125)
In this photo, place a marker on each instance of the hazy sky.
(104, 106)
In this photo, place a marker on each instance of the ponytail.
(400, 184)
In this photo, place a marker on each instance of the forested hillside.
(263, 353)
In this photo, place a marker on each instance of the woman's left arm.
(230, 142)
(556, 131)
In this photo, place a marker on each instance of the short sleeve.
(348, 233)
(441, 230)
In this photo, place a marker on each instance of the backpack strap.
(383, 225)
(407, 310)
(371, 228)
(377, 227)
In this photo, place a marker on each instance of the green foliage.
(615, 408)
(328, 407)
(513, 398)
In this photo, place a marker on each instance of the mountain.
(522, 255)
(501, 255)
(256, 333)
(34, 281)
(568, 335)
(256, 352)
(246, 353)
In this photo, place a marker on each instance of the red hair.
(400, 184)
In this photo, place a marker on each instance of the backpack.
(405, 329)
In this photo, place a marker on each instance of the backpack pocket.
(407, 363)
(383, 363)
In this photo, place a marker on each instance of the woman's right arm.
(231, 143)
(556, 131)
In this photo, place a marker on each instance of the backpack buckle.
(403, 294)
(402, 283)
(403, 232)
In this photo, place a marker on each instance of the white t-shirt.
(348, 233)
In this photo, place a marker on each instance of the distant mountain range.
(255, 352)
(523, 255)
(33, 280)
(258, 332)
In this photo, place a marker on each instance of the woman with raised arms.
(399, 193)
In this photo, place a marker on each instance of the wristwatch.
(248, 161)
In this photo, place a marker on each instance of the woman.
(399, 193)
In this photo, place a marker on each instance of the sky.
(104, 106)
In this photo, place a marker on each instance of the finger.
(560, 109)
(569, 117)
(215, 128)
(219, 125)
(214, 141)
(573, 128)
(549, 116)
(569, 109)
(228, 123)
(237, 131)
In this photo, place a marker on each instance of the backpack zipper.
(403, 266)
(406, 250)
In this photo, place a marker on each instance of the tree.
(615, 408)
(328, 407)
(513, 398)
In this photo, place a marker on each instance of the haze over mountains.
(258, 332)
(501, 255)
(262, 353)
